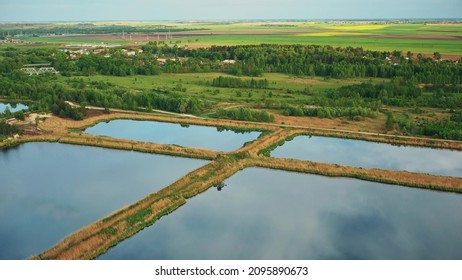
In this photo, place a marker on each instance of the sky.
(158, 10)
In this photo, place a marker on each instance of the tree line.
(323, 61)
(87, 28)
(232, 82)
(50, 95)
(245, 114)
(301, 60)
(330, 112)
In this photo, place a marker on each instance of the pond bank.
(95, 239)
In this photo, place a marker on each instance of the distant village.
(76, 51)
(13, 40)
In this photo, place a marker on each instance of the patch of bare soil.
(366, 124)
(94, 113)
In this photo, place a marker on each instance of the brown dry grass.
(376, 175)
(370, 125)
(95, 239)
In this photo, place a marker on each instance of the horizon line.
(241, 20)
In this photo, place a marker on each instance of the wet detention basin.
(211, 138)
(50, 190)
(269, 214)
(372, 155)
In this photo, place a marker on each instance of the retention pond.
(169, 133)
(372, 155)
(49, 190)
(269, 214)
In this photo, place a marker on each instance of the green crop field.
(424, 46)
(417, 38)
(76, 40)
(425, 38)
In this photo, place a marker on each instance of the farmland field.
(417, 45)
(425, 38)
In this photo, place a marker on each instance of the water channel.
(372, 155)
(49, 190)
(269, 214)
(170, 133)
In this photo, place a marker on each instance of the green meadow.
(282, 88)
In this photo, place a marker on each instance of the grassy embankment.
(97, 238)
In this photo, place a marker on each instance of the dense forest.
(413, 81)
(322, 61)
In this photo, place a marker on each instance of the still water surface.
(268, 214)
(170, 133)
(49, 190)
(13, 107)
(372, 155)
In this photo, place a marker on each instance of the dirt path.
(96, 238)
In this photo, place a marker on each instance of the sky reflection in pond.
(372, 155)
(13, 107)
(49, 190)
(268, 214)
(171, 133)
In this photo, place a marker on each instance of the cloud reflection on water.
(268, 214)
(372, 155)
